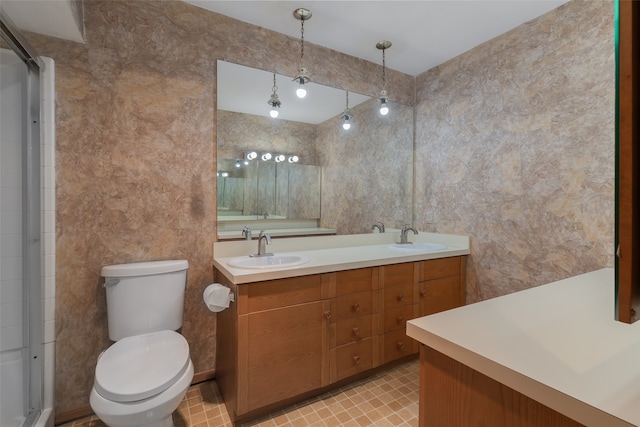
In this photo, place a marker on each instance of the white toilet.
(141, 379)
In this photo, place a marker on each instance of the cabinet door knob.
(400, 319)
(400, 297)
(423, 294)
(356, 359)
(355, 331)
(355, 307)
(400, 345)
(327, 315)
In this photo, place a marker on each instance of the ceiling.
(424, 33)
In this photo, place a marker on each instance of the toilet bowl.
(140, 380)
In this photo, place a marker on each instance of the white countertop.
(333, 253)
(558, 344)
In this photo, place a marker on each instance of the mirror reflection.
(342, 180)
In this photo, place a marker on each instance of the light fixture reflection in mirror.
(274, 101)
(346, 115)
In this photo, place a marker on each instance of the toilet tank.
(144, 297)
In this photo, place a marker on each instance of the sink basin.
(418, 246)
(271, 261)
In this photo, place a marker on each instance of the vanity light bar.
(266, 156)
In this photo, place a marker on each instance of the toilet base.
(166, 422)
(137, 414)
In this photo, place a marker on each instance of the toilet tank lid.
(144, 268)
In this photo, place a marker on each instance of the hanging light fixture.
(346, 115)
(274, 101)
(302, 78)
(383, 97)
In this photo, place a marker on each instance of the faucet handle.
(246, 232)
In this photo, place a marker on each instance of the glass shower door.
(20, 286)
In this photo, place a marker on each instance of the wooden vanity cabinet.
(285, 339)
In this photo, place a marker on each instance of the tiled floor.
(388, 398)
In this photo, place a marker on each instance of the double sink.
(284, 260)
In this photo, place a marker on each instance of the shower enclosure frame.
(32, 278)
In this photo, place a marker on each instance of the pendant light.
(274, 101)
(383, 97)
(346, 115)
(302, 14)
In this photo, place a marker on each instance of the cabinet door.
(286, 353)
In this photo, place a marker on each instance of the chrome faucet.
(379, 226)
(403, 234)
(246, 233)
(263, 240)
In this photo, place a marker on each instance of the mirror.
(344, 180)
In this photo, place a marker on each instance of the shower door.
(20, 251)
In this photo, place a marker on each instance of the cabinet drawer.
(353, 358)
(355, 305)
(442, 267)
(398, 295)
(398, 274)
(441, 294)
(353, 330)
(354, 281)
(396, 318)
(278, 293)
(397, 344)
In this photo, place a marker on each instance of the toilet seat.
(141, 366)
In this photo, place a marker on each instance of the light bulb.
(252, 155)
(346, 125)
(301, 92)
(293, 159)
(266, 156)
(384, 110)
(280, 158)
(273, 113)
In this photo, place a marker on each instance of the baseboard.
(73, 414)
(203, 376)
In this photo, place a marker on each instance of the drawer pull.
(400, 345)
(355, 307)
(356, 332)
(356, 360)
(400, 319)
(327, 315)
(423, 294)
(400, 298)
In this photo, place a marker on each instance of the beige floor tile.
(388, 398)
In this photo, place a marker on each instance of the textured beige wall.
(515, 147)
(367, 171)
(136, 157)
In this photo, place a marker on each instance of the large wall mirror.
(344, 180)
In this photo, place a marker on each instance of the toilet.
(141, 379)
